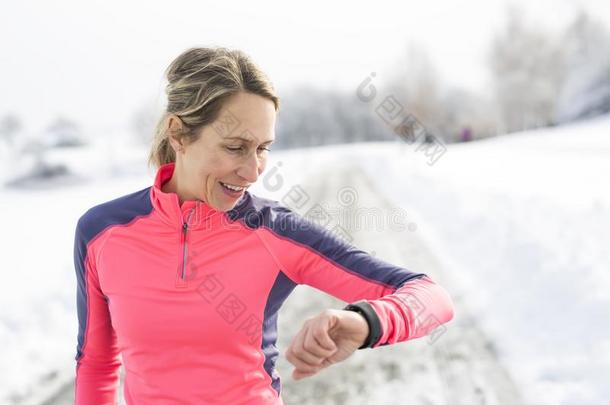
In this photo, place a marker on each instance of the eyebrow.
(248, 140)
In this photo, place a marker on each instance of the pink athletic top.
(187, 297)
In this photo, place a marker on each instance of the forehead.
(247, 137)
(246, 117)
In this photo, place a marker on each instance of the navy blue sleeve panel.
(90, 226)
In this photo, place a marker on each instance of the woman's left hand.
(326, 339)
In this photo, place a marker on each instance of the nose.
(251, 168)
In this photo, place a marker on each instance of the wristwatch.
(367, 311)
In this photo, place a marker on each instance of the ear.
(175, 128)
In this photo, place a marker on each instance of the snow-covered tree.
(62, 133)
(311, 116)
(416, 85)
(10, 126)
(528, 70)
(586, 91)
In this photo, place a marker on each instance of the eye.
(240, 149)
(234, 149)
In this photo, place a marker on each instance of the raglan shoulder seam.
(298, 221)
(272, 254)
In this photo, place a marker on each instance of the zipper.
(185, 228)
(184, 242)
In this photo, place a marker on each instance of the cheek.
(214, 169)
(263, 165)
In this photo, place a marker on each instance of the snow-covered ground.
(520, 221)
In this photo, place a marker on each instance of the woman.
(182, 281)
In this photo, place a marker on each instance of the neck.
(172, 186)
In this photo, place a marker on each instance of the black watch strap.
(372, 319)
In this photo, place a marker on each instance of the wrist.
(370, 316)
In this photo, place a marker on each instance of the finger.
(299, 356)
(319, 344)
(322, 336)
(312, 353)
(290, 352)
(297, 374)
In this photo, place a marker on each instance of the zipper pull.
(184, 230)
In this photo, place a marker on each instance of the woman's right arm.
(97, 355)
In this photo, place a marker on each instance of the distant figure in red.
(466, 135)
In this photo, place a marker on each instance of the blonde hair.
(200, 80)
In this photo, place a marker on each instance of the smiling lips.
(232, 191)
(232, 187)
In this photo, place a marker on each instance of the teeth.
(234, 188)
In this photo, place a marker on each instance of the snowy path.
(460, 367)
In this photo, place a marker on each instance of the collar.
(196, 212)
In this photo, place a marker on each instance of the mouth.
(233, 190)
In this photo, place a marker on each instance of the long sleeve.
(414, 310)
(97, 355)
(408, 304)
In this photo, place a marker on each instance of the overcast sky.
(96, 61)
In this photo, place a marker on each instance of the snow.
(520, 222)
